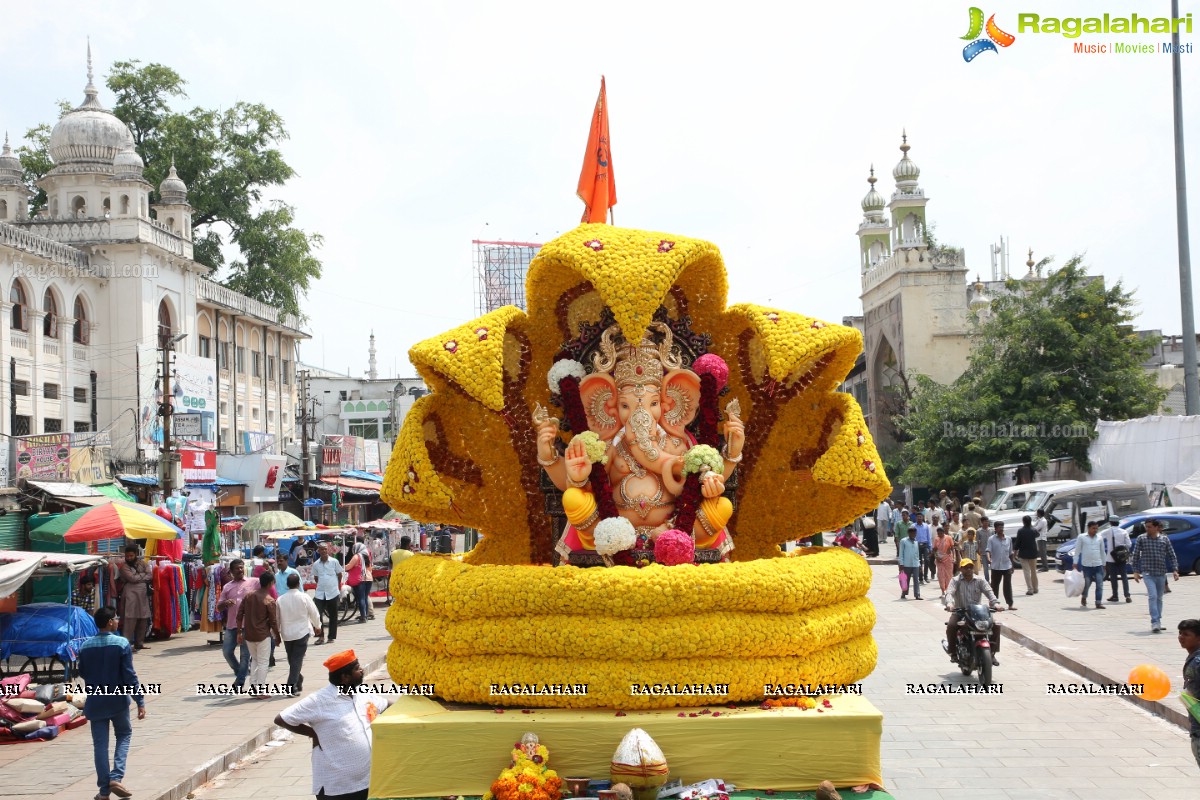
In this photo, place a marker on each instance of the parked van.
(1014, 498)
(1069, 510)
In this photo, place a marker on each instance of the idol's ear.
(680, 401)
(598, 393)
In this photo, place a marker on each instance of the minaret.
(14, 197)
(372, 372)
(908, 202)
(873, 231)
(172, 208)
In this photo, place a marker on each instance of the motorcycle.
(972, 648)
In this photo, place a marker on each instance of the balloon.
(1155, 683)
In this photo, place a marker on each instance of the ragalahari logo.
(995, 36)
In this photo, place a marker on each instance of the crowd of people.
(262, 610)
(943, 537)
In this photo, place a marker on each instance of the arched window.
(17, 297)
(50, 321)
(3, 209)
(79, 207)
(165, 328)
(107, 206)
(125, 204)
(79, 333)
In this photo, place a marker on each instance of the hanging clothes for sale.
(210, 596)
(170, 609)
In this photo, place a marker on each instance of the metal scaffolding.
(500, 269)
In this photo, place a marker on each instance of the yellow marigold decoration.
(467, 455)
(802, 439)
(528, 777)
(802, 619)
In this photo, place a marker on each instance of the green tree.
(1050, 358)
(229, 159)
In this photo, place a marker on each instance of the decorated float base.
(425, 748)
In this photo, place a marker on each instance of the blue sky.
(416, 128)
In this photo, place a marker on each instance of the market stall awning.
(350, 490)
(14, 574)
(115, 492)
(52, 563)
(362, 476)
(73, 493)
(353, 483)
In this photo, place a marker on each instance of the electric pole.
(1191, 384)
(305, 471)
(167, 473)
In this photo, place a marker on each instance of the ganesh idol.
(639, 401)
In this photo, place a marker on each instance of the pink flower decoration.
(869, 466)
(482, 333)
(712, 364)
(595, 244)
(451, 345)
(674, 547)
(665, 247)
(817, 325)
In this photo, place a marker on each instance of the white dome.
(88, 138)
(10, 165)
(172, 189)
(873, 201)
(128, 164)
(906, 172)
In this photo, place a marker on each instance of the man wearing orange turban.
(338, 719)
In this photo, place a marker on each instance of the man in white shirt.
(883, 519)
(298, 618)
(1116, 537)
(338, 720)
(327, 572)
(1039, 527)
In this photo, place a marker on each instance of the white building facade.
(101, 274)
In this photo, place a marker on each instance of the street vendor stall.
(49, 632)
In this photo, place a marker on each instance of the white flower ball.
(613, 535)
(562, 369)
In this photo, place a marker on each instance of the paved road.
(1018, 745)
(185, 739)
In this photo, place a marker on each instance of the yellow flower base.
(465, 628)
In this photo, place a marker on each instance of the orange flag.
(597, 187)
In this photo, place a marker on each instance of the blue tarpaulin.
(41, 630)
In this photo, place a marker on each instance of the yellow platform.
(424, 749)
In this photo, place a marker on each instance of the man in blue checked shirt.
(106, 664)
(1154, 557)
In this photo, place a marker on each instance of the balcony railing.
(18, 340)
(50, 347)
(224, 296)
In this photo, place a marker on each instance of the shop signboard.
(372, 456)
(257, 441)
(45, 456)
(331, 461)
(262, 474)
(91, 455)
(360, 453)
(186, 426)
(346, 445)
(199, 466)
(193, 390)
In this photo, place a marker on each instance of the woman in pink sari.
(943, 554)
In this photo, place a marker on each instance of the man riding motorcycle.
(966, 589)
